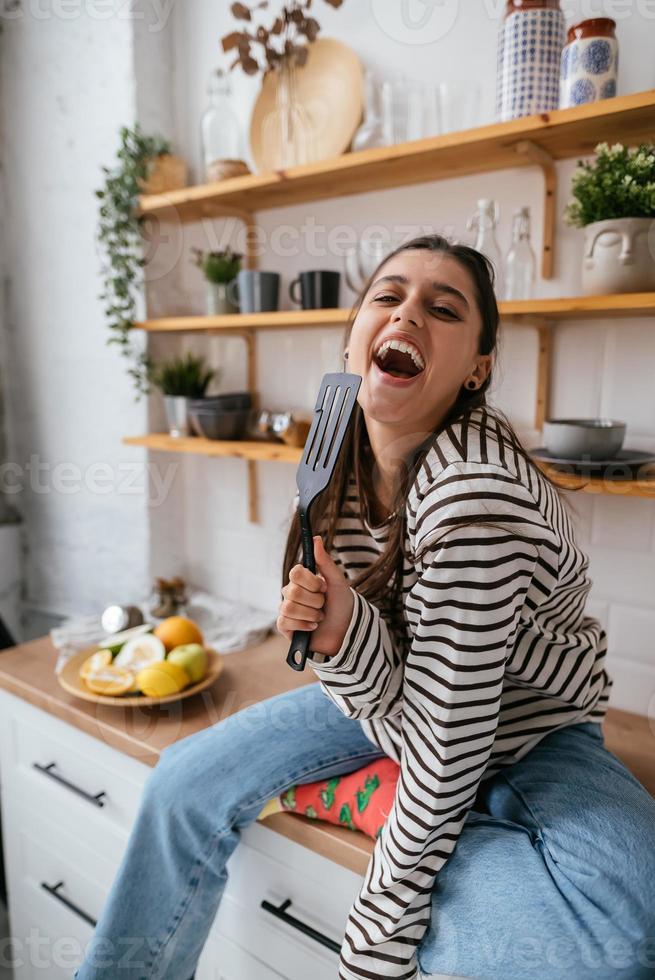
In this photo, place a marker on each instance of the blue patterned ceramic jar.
(530, 46)
(590, 62)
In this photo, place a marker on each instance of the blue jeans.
(553, 875)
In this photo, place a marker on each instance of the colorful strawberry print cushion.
(360, 800)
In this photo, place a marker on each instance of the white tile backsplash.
(632, 633)
(624, 524)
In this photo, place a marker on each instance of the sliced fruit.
(161, 679)
(97, 660)
(176, 631)
(117, 640)
(140, 652)
(193, 657)
(110, 680)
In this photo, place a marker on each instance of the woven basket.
(168, 173)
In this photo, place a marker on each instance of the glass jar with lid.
(590, 62)
(530, 42)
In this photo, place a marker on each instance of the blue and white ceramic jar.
(590, 62)
(530, 45)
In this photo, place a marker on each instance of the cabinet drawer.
(294, 939)
(57, 888)
(224, 960)
(75, 779)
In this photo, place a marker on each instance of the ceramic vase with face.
(619, 256)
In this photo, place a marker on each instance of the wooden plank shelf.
(253, 450)
(281, 453)
(555, 135)
(519, 312)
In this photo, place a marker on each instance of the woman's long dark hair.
(356, 458)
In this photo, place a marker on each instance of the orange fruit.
(176, 631)
(101, 658)
(110, 680)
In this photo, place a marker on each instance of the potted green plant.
(614, 201)
(179, 379)
(219, 269)
(145, 165)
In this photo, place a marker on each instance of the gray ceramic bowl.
(583, 438)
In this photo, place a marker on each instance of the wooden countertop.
(248, 676)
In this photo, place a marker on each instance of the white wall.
(67, 79)
(70, 399)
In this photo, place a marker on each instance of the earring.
(345, 361)
(471, 384)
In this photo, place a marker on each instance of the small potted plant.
(614, 201)
(180, 379)
(219, 269)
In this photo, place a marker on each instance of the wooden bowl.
(69, 678)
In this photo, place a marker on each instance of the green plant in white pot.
(614, 201)
(179, 379)
(219, 269)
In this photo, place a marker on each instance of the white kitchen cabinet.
(68, 802)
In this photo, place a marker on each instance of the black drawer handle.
(54, 891)
(280, 912)
(97, 800)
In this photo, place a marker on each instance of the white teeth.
(402, 346)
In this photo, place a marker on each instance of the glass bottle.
(220, 131)
(521, 262)
(370, 132)
(483, 222)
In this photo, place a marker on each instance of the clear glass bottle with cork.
(521, 262)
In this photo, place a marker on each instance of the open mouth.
(398, 364)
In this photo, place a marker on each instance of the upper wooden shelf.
(281, 453)
(513, 311)
(561, 133)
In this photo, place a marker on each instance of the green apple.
(193, 658)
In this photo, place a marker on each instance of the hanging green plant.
(119, 234)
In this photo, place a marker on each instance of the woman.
(448, 634)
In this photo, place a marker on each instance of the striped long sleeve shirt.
(496, 653)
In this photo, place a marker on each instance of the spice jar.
(530, 43)
(590, 61)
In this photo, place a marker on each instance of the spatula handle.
(300, 642)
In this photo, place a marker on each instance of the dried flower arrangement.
(292, 24)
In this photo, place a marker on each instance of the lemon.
(161, 679)
(97, 660)
(110, 680)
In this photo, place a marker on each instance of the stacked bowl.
(221, 416)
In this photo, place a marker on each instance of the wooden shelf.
(556, 135)
(235, 322)
(162, 442)
(643, 487)
(520, 312)
(281, 453)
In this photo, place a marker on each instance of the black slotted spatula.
(332, 413)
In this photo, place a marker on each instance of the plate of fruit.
(145, 665)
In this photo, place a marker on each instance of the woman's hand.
(321, 603)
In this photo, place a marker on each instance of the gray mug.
(254, 291)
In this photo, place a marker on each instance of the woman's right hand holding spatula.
(320, 603)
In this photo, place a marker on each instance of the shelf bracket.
(542, 405)
(537, 155)
(250, 338)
